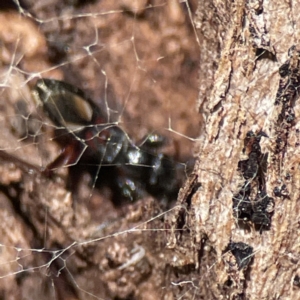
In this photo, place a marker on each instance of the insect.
(130, 170)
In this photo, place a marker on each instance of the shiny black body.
(105, 149)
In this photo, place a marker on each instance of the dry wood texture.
(246, 183)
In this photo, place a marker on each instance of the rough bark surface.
(239, 213)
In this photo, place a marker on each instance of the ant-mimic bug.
(87, 139)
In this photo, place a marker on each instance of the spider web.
(138, 60)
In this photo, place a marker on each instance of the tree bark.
(237, 219)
